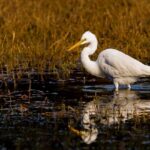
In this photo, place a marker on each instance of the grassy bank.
(37, 33)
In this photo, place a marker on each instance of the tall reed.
(36, 33)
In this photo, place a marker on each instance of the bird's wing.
(118, 64)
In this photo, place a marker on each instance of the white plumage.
(111, 63)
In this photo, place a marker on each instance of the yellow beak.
(77, 132)
(81, 42)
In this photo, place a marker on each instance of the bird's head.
(87, 38)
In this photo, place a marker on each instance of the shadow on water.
(78, 113)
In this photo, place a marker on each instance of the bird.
(111, 64)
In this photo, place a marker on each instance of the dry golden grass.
(36, 33)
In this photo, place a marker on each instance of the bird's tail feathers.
(146, 70)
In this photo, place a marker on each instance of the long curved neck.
(91, 66)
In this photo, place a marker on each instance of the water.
(82, 112)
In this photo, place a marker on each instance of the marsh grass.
(35, 34)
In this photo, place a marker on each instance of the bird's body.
(111, 63)
(121, 68)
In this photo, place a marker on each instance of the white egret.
(111, 63)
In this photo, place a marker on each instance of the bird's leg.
(129, 87)
(116, 86)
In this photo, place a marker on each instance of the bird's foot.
(129, 87)
(116, 86)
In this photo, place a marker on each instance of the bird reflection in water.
(122, 106)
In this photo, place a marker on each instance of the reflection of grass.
(36, 33)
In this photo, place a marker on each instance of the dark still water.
(77, 113)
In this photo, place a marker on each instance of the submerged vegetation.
(60, 116)
(35, 34)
